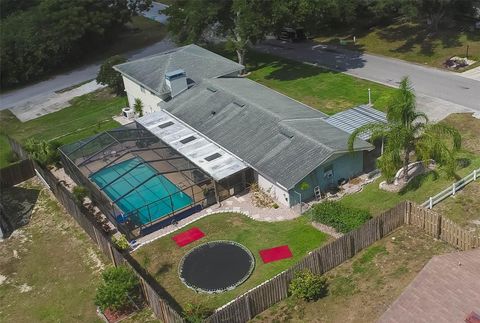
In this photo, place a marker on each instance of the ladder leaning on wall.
(317, 193)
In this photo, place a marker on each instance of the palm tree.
(408, 130)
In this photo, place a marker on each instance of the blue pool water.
(150, 198)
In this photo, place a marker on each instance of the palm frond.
(376, 131)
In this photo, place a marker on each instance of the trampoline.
(216, 266)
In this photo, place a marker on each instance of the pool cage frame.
(84, 158)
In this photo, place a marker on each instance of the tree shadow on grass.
(164, 268)
(420, 35)
(416, 182)
(291, 68)
(18, 204)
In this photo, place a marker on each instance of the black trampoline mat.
(216, 266)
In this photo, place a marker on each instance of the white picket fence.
(433, 200)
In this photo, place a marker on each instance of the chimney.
(176, 82)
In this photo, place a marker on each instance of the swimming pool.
(150, 198)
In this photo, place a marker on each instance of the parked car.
(291, 34)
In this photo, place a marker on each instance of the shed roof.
(197, 62)
(282, 138)
(446, 290)
(352, 119)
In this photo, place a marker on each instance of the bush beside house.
(338, 216)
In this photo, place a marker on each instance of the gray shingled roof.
(278, 136)
(352, 119)
(197, 62)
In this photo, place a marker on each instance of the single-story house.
(239, 131)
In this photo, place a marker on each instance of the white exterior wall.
(150, 101)
(279, 194)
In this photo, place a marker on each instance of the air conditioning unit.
(128, 113)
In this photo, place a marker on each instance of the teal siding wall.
(344, 166)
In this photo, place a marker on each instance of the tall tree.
(434, 11)
(108, 76)
(239, 21)
(39, 35)
(408, 130)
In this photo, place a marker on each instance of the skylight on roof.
(239, 104)
(188, 139)
(165, 125)
(212, 157)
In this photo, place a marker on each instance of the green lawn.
(362, 288)
(409, 41)
(325, 90)
(424, 186)
(161, 257)
(88, 114)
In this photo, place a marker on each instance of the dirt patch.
(361, 289)
(470, 130)
(49, 267)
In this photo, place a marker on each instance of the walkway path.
(473, 74)
(447, 86)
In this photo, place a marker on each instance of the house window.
(212, 157)
(188, 139)
(328, 171)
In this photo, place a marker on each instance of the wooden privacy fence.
(263, 296)
(16, 173)
(441, 227)
(318, 261)
(325, 258)
(154, 294)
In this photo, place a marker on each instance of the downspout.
(300, 200)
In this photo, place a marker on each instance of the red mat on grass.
(188, 236)
(274, 254)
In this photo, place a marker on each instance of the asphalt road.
(45, 89)
(432, 82)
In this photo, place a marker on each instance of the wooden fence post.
(247, 305)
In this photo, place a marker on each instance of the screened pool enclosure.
(138, 181)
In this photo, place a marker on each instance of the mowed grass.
(88, 114)
(362, 288)
(410, 41)
(325, 90)
(422, 187)
(49, 268)
(161, 257)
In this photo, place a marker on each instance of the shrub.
(44, 152)
(338, 216)
(118, 286)
(121, 242)
(195, 313)
(80, 193)
(138, 107)
(308, 286)
(108, 76)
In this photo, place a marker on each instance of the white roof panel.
(194, 150)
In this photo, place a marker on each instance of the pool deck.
(241, 203)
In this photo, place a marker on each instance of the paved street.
(45, 90)
(432, 82)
